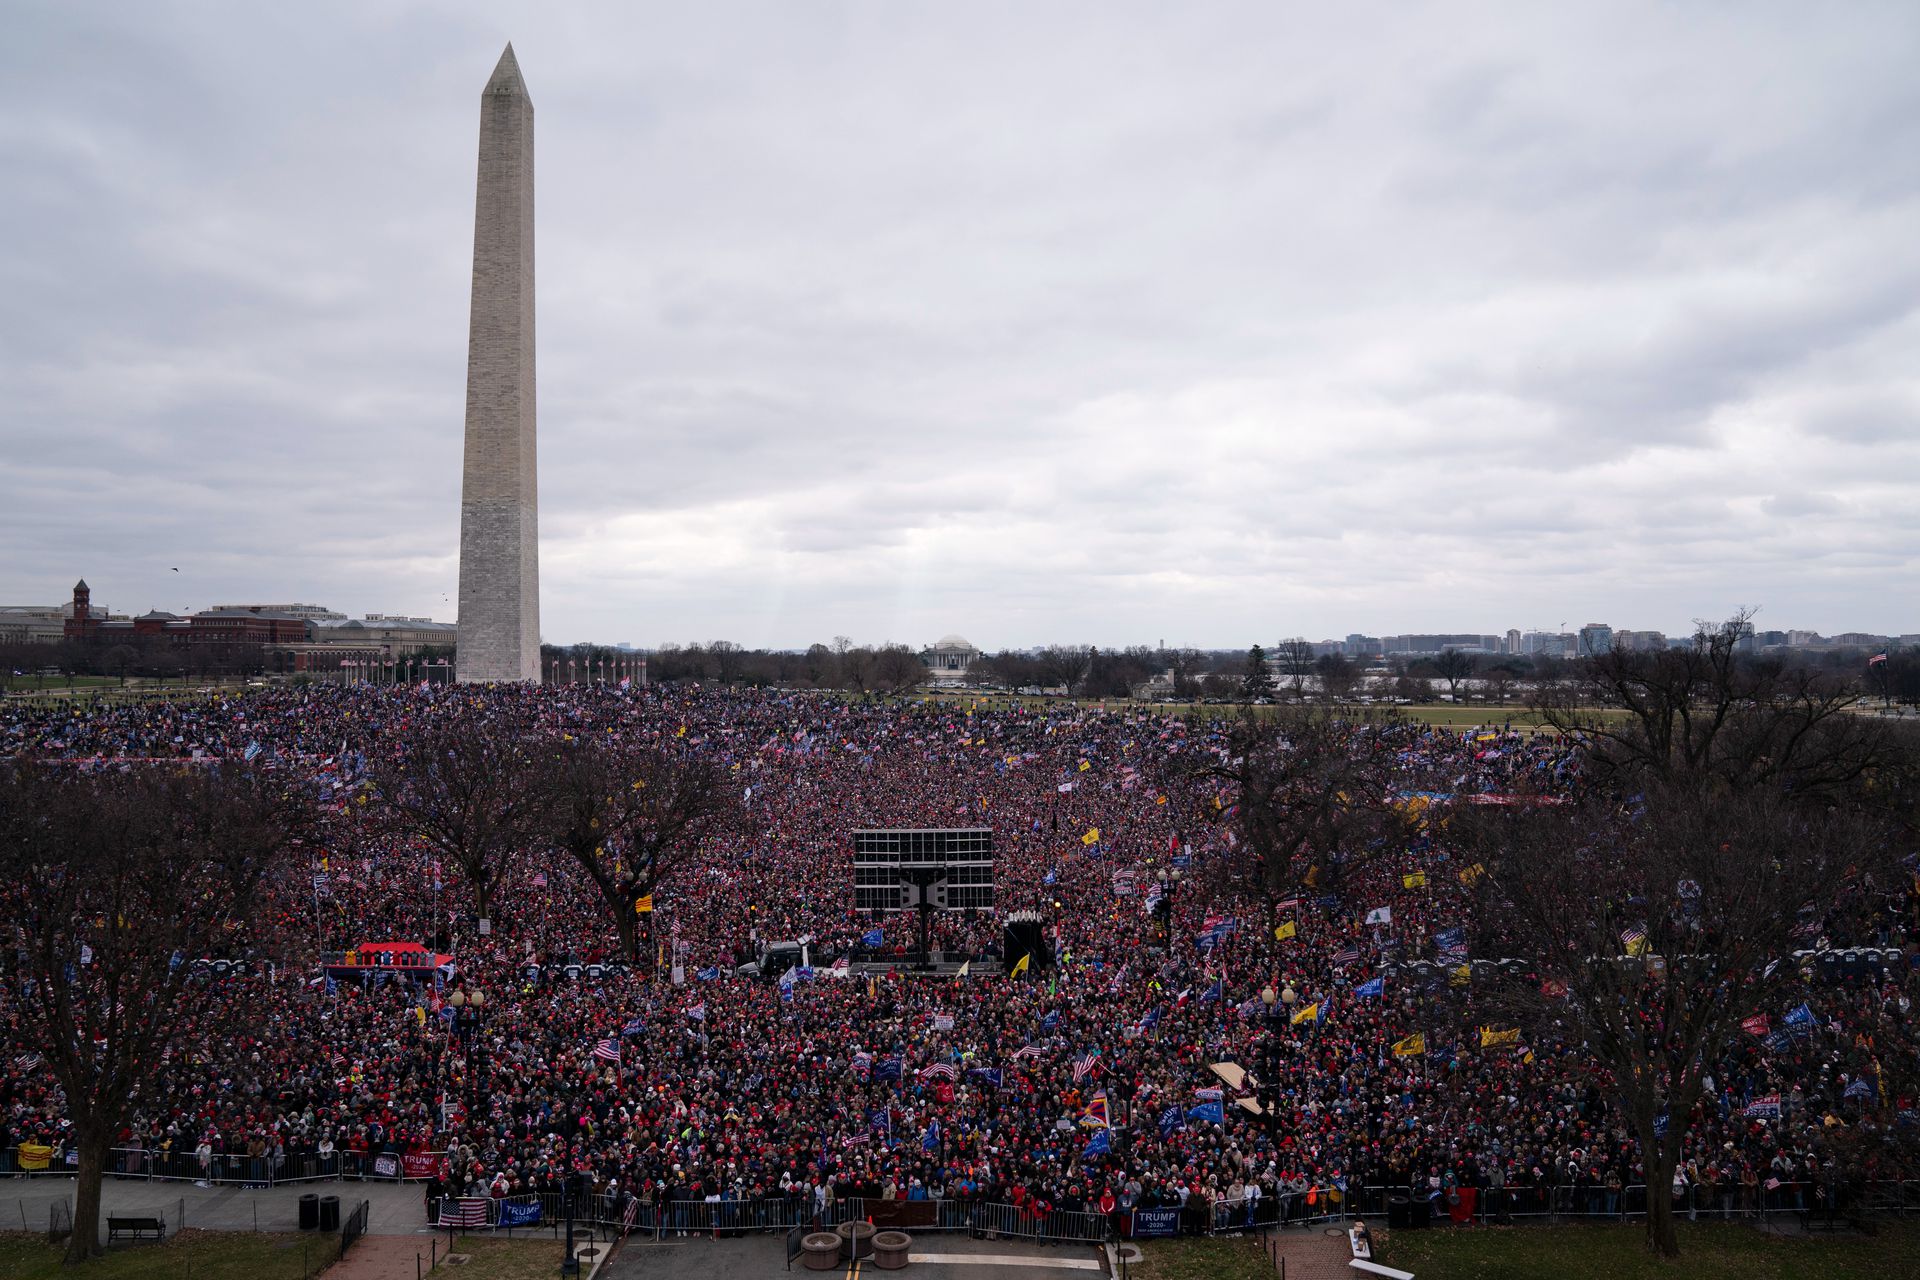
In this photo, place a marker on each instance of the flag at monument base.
(1412, 1046)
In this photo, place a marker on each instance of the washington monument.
(499, 636)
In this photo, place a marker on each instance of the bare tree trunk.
(1661, 1235)
(85, 1241)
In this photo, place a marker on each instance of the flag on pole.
(608, 1049)
(644, 905)
(1101, 1145)
(1414, 880)
(1021, 966)
(1492, 1039)
(1412, 1046)
(1374, 986)
(1094, 1114)
(1306, 1013)
(1283, 932)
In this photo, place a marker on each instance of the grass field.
(1580, 1253)
(203, 1255)
(501, 1259)
(30, 684)
(1619, 1253)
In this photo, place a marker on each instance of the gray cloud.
(1116, 322)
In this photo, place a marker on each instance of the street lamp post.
(469, 1021)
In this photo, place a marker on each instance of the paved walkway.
(396, 1208)
(1312, 1254)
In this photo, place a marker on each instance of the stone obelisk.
(499, 635)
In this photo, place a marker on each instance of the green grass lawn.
(498, 1258)
(1577, 1253)
(1221, 1259)
(1619, 1253)
(202, 1255)
(32, 683)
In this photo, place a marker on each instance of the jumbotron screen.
(963, 856)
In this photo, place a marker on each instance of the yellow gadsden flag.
(1285, 931)
(1491, 1039)
(1412, 1046)
(1306, 1013)
(1020, 967)
(1092, 836)
(1414, 880)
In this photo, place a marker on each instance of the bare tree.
(897, 669)
(113, 885)
(1339, 677)
(1295, 659)
(1453, 666)
(631, 815)
(1705, 711)
(1654, 930)
(1065, 664)
(464, 783)
(1313, 795)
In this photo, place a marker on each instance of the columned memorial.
(499, 516)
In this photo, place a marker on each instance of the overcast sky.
(1036, 322)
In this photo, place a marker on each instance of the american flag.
(1086, 1066)
(468, 1211)
(1347, 955)
(632, 1213)
(939, 1070)
(608, 1049)
(1026, 1051)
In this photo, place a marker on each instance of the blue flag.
(1210, 1111)
(887, 1069)
(1049, 878)
(873, 937)
(1801, 1016)
(1171, 1119)
(1371, 987)
(990, 1074)
(634, 1027)
(930, 1140)
(1101, 1144)
(709, 973)
(1213, 992)
(1051, 1021)
(519, 1215)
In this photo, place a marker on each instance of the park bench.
(137, 1228)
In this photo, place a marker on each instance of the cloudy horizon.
(1106, 323)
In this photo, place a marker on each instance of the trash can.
(821, 1251)
(890, 1249)
(856, 1239)
(1399, 1211)
(329, 1213)
(309, 1211)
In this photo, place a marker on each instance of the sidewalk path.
(397, 1208)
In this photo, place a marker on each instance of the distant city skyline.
(1207, 323)
(1515, 640)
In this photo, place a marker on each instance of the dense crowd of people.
(1083, 1082)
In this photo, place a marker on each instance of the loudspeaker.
(1025, 936)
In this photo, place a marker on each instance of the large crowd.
(1081, 1083)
